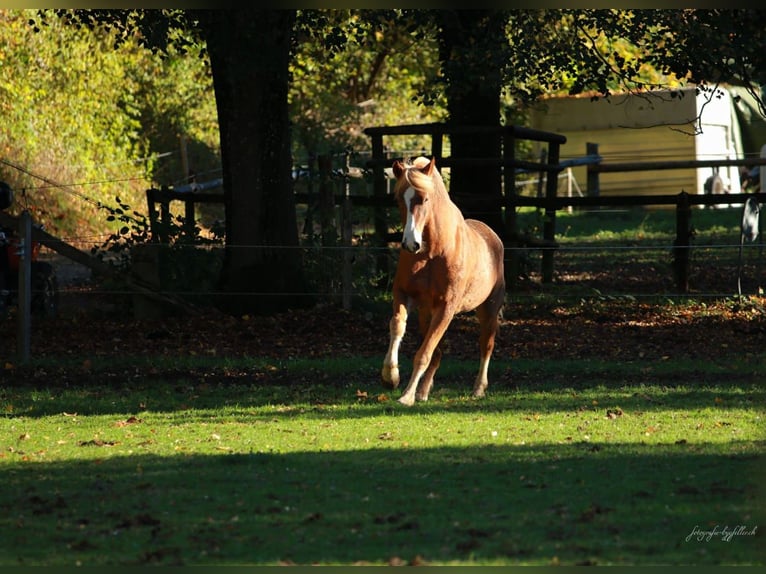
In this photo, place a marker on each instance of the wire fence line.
(561, 248)
(629, 270)
(615, 272)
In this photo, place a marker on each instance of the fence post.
(591, 149)
(682, 242)
(326, 201)
(347, 276)
(25, 288)
(543, 174)
(379, 190)
(161, 227)
(549, 222)
(189, 218)
(511, 227)
(437, 145)
(308, 222)
(762, 171)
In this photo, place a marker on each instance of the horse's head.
(414, 186)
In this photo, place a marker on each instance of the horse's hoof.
(390, 376)
(421, 398)
(479, 389)
(407, 400)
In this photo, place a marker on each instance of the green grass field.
(570, 462)
(623, 444)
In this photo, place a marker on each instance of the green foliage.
(101, 118)
(354, 69)
(70, 117)
(134, 229)
(187, 262)
(581, 51)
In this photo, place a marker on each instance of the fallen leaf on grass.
(590, 513)
(688, 489)
(96, 442)
(137, 521)
(128, 421)
(82, 545)
(313, 517)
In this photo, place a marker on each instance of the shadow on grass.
(543, 504)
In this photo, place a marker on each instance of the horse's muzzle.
(412, 247)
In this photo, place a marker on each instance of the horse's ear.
(430, 167)
(398, 168)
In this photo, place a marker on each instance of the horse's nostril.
(413, 247)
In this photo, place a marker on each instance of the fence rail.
(549, 168)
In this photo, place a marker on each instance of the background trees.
(98, 116)
(290, 82)
(354, 68)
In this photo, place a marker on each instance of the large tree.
(249, 56)
(249, 52)
(469, 42)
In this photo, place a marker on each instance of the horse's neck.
(447, 222)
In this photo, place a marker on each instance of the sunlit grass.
(564, 462)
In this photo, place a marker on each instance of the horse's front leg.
(423, 363)
(396, 327)
(427, 382)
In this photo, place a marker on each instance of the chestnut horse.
(447, 265)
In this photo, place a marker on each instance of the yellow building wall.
(634, 128)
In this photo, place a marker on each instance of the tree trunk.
(249, 54)
(468, 43)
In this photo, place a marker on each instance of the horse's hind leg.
(489, 323)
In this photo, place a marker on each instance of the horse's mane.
(416, 178)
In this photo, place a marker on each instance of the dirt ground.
(603, 328)
(621, 330)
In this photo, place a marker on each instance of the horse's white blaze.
(412, 238)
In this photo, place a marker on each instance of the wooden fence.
(381, 203)
(551, 203)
